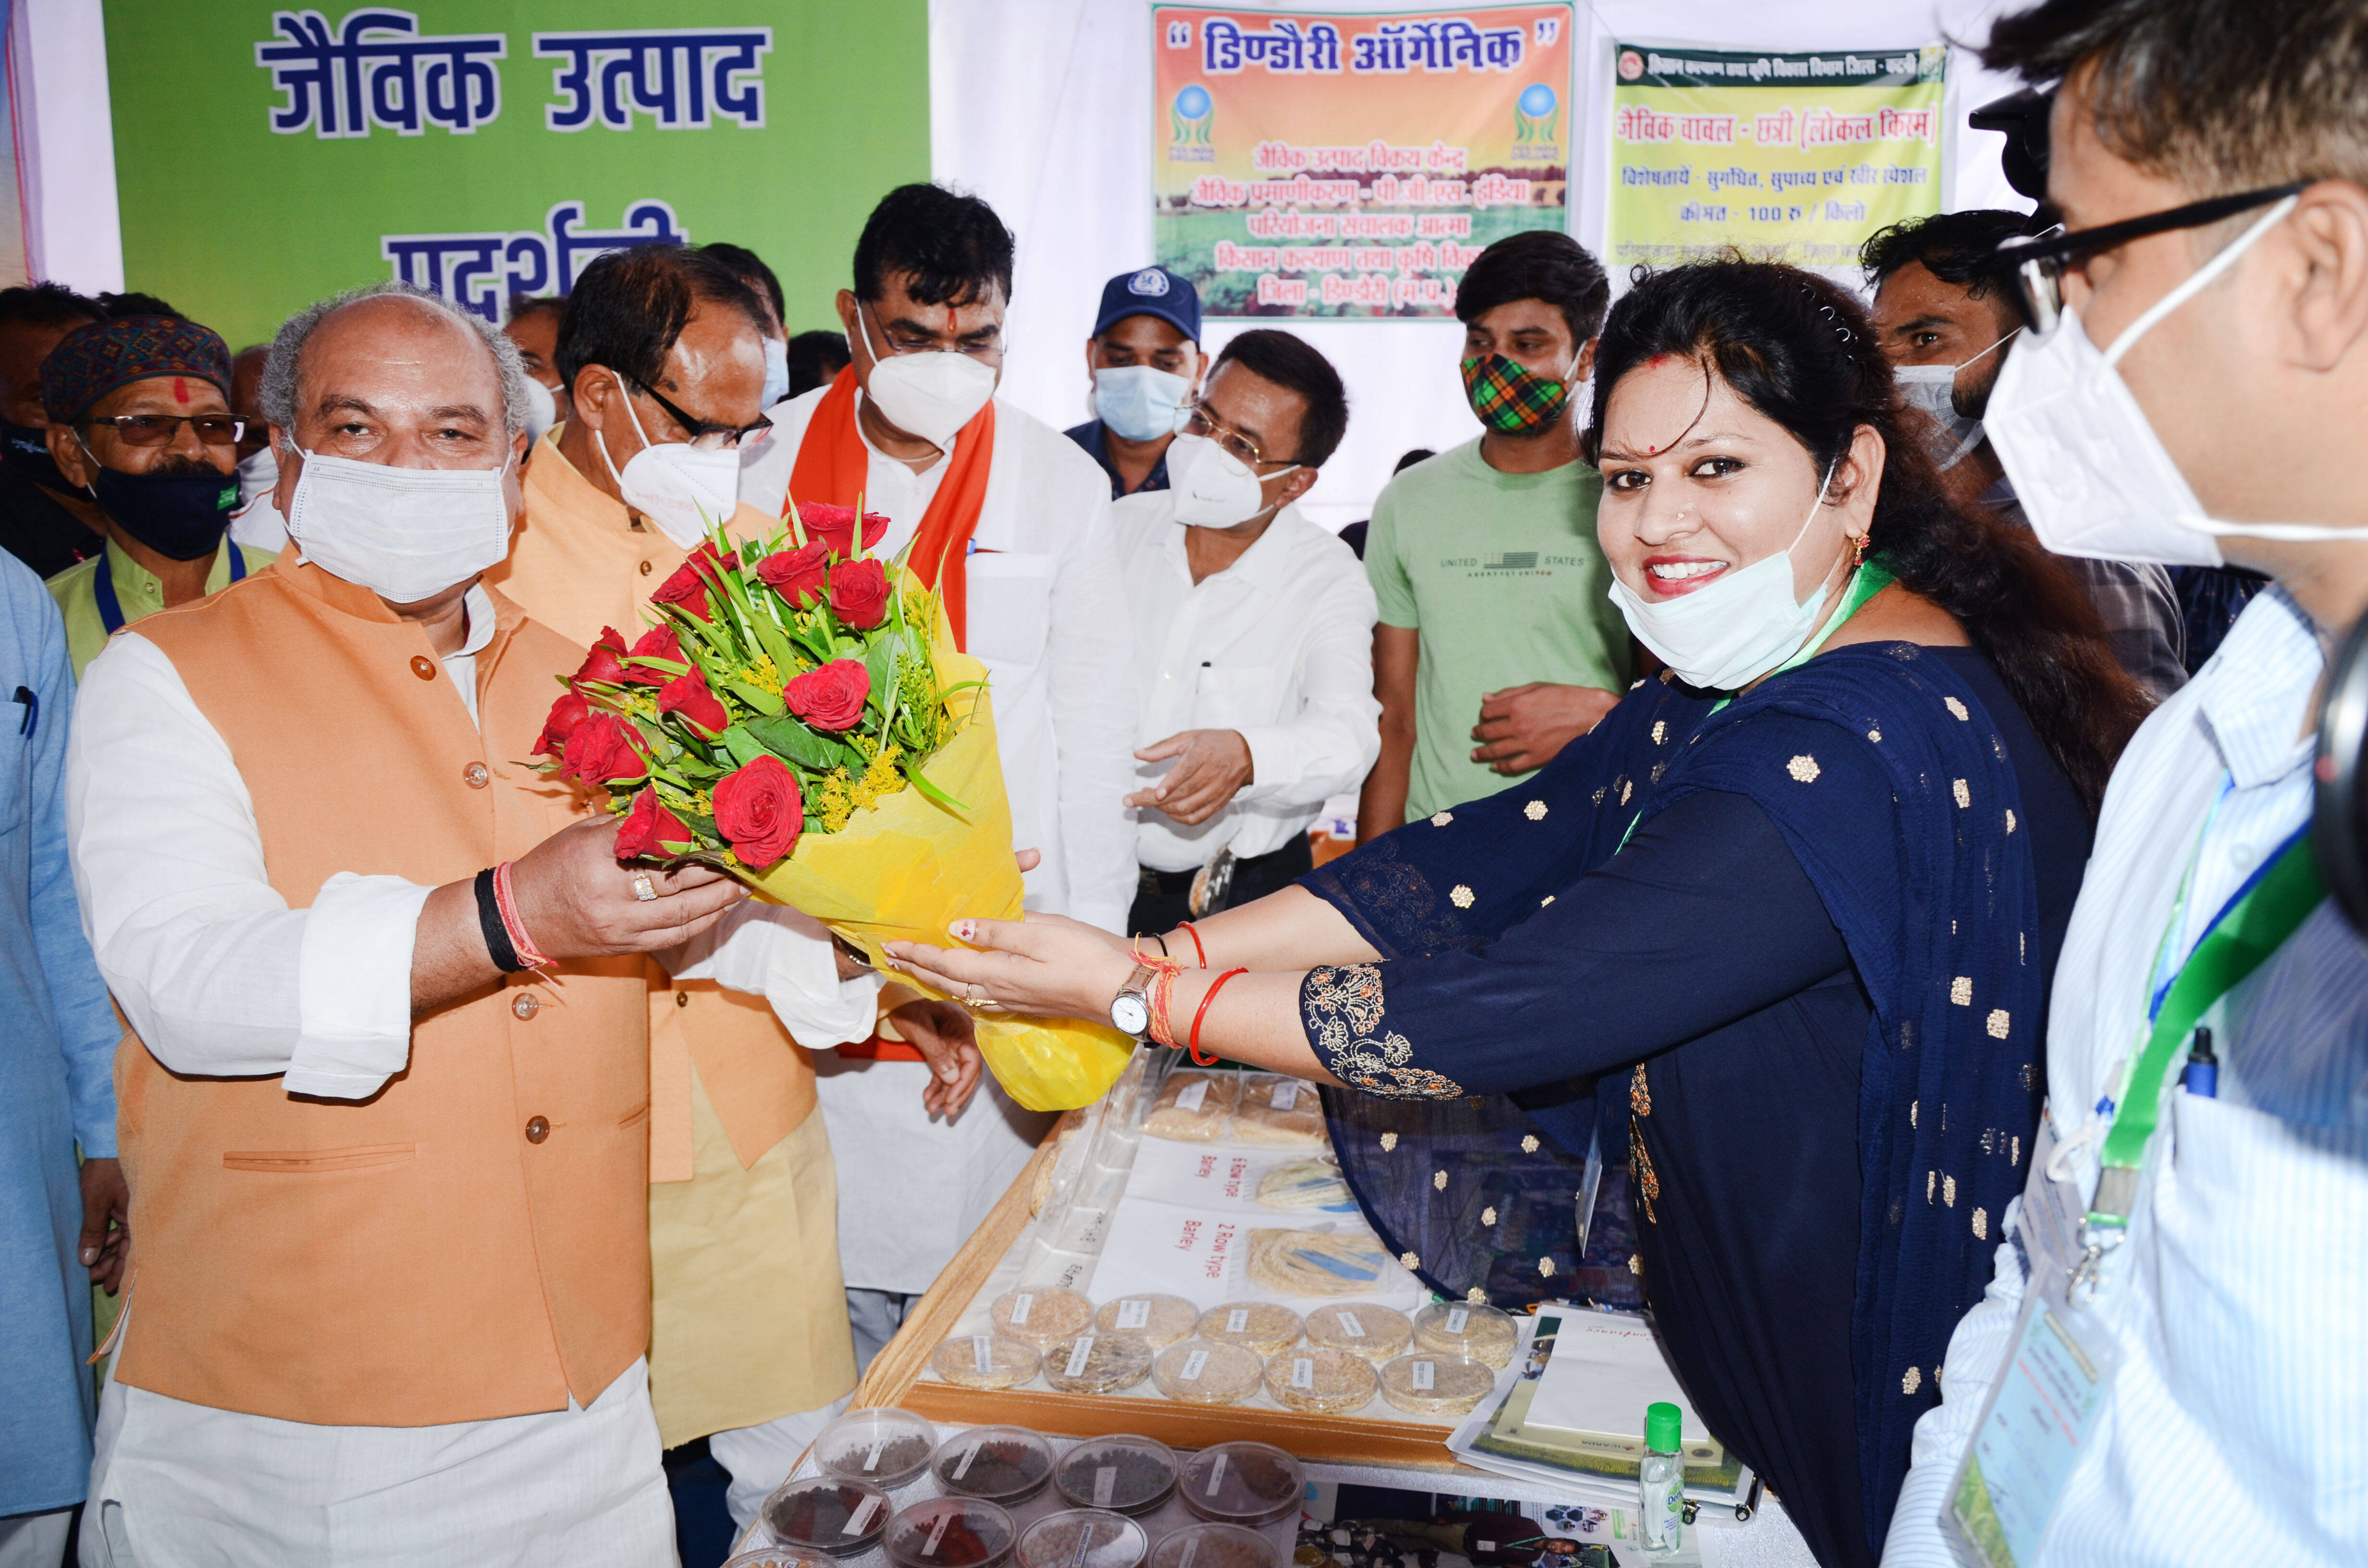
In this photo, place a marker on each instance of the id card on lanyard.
(2058, 1374)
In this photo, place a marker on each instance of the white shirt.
(2239, 1415)
(1277, 646)
(1043, 595)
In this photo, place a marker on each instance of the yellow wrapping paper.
(904, 868)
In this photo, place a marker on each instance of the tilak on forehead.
(95, 359)
(1655, 451)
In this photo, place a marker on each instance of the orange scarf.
(832, 465)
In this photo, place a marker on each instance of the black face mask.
(178, 514)
(26, 450)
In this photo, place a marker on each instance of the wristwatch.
(1131, 1008)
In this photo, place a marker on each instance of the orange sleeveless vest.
(471, 1241)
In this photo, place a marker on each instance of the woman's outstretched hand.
(1047, 965)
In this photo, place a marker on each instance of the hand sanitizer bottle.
(1661, 1482)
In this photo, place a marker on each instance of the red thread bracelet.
(1206, 998)
(1163, 983)
(505, 900)
(1190, 931)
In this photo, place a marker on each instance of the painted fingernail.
(962, 929)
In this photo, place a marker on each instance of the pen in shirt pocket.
(2201, 1076)
(32, 701)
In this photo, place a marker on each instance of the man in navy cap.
(1144, 356)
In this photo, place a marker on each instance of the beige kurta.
(749, 1318)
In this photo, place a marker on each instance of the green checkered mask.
(1511, 398)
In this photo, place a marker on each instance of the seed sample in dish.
(1130, 1475)
(1043, 1315)
(1315, 1263)
(1193, 1108)
(952, 1532)
(1428, 1384)
(1257, 1326)
(824, 1514)
(1213, 1546)
(1241, 1484)
(1306, 1184)
(1084, 1537)
(776, 1557)
(1203, 1371)
(1368, 1330)
(1279, 1110)
(885, 1446)
(1455, 1328)
(1002, 1464)
(984, 1361)
(1159, 1320)
(1098, 1363)
(1319, 1380)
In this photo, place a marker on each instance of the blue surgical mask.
(1138, 402)
(777, 372)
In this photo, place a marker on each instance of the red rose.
(565, 714)
(662, 641)
(652, 831)
(835, 527)
(859, 592)
(688, 695)
(606, 662)
(760, 811)
(831, 696)
(603, 749)
(796, 574)
(686, 588)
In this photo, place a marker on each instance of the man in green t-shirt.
(1496, 624)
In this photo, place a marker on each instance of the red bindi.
(180, 390)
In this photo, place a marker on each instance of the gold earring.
(1858, 552)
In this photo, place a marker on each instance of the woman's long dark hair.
(1800, 350)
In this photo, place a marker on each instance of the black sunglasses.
(2040, 263)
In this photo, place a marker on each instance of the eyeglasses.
(1194, 419)
(2040, 263)
(706, 434)
(162, 429)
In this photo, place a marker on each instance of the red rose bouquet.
(798, 718)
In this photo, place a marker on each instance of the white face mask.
(2087, 467)
(931, 395)
(405, 534)
(257, 474)
(1214, 488)
(1724, 637)
(1138, 402)
(777, 372)
(1934, 389)
(542, 410)
(685, 490)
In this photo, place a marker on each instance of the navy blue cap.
(1154, 291)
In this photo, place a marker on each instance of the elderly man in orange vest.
(386, 1118)
(662, 355)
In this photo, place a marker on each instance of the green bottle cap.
(1661, 1427)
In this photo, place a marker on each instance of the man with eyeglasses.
(1010, 522)
(2173, 1334)
(140, 420)
(661, 351)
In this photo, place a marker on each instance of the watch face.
(1130, 1015)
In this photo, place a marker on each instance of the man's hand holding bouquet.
(797, 715)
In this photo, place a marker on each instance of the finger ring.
(644, 889)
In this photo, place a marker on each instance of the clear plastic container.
(1097, 1363)
(778, 1557)
(1213, 1546)
(1259, 1326)
(1002, 1464)
(1361, 1328)
(1160, 1321)
(1428, 1384)
(1242, 1484)
(984, 1361)
(1125, 1473)
(952, 1532)
(1202, 1371)
(1041, 1316)
(1463, 1328)
(888, 1448)
(1316, 1379)
(828, 1514)
(1084, 1537)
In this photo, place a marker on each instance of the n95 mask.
(683, 490)
(931, 394)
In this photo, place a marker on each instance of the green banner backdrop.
(266, 156)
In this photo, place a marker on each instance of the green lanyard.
(2252, 926)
